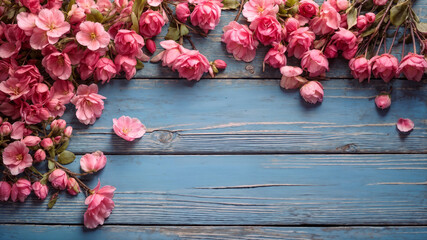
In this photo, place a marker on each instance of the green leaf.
(66, 157)
(135, 25)
(139, 64)
(291, 3)
(94, 16)
(184, 30)
(173, 33)
(399, 13)
(44, 179)
(63, 147)
(379, 16)
(368, 32)
(138, 7)
(10, 13)
(422, 27)
(230, 4)
(52, 200)
(416, 18)
(50, 164)
(351, 17)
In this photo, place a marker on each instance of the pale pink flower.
(339, 5)
(151, 23)
(59, 179)
(360, 68)
(128, 128)
(73, 187)
(315, 62)
(239, 41)
(191, 65)
(26, 22)
(345, 41)
(300, 41)
(206, 15)
(68, 131)
(182, 12)
(170, 54)
(405, 125)
(154, 3)
(267, 29)
(312, 92)
(383, 101)
(129, 43)
(93, 162)
(63, 91)
(16, 157)
(275, 57)
(125, 64)
(104, 5)
(308, 8)
(100, 206)
(58, 65)
(87, 5)
(52, 21)
(291, 78)
(89, 103)
(105, 70)
(255, 8)
(413, 66)
(384, 66)
(5, 189)
(46, 143)
(20, 190)
(327, 22)
(18, 129)
(93, 36)
(40, 190)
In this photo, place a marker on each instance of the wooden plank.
(35, 232)
(359, 189)
(239, 116)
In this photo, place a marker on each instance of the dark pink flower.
(267, 29)
(58, 65)
(239, 41)
(206, 15)
(383, 101)
(308, 8)
(151, 23)
(129, 43)
(105, 70)
(182, 12)
(5, 190)
(125, 64)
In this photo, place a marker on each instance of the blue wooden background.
(238, 157)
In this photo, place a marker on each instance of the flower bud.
(39, 155)
(5, 129)
(370, 17)
(150, 45)
(182, 12)
(46, 143)
(220, 64)
(20, 190)
(58, 179)
(40, 190)
(73, 187)
(31, 141)
(58, 124)
(342, 4)
(68, 131)
(57, 139)
(380, 2)
(5, 189)
(312, 92)
(361, 22)
(405, 125)
(383, 101)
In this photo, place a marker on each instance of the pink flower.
(18, 129)
(20, 190)
(73, 187)
(27, 22)
(315, 62)
(154, 3)
(370, 17)
(100, 206)
(58, 178)
(87, 5)
(360, 68)
(405, 125)
(31, 141)
(76, 14)
(129, 43)
(4, 70)
(75, 52)
(239, 41)
(267, 29)
(33, 114)
(380, 2)
(345, 41)
(88, 64)
(58, 124)
(308, 8)
(413, 66)
(300, 41)
(327, 22)
(41, 93)
(384, 66)
(14, 37)
(5, 129)
(58, 65)
(128, 128)
(331, 51)
(182, 12)
(312, 92)
(52, 22)
(33, 5)
(125, 64)
(220, 64)
(39, 155)
(93, 162)
(255, 8)
(63, 91)
(93, 36)
(339, 5)
(16, 157)
(5, 189)
(191, 65)
(151, 46)
(151, 23)
(40, 190)
(89, 103)
(291, 24)
(105, 70)
(68, 131)
(171, 53)
(275, 57)
(14, 88)
(206, 15)
(104, 5)
(291, 78)
(383, 101)
(46, 143)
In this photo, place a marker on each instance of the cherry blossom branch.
(240, 10)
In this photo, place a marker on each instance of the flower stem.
(240, 10)
(74, 175)
(394, 38)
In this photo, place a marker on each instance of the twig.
(240, 10)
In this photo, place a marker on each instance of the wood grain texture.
(34, 232)
(239, 116)
(359, 189)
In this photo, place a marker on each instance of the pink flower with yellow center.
(93, 36)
